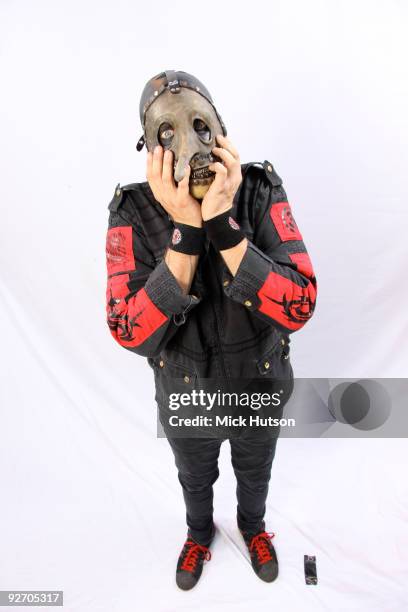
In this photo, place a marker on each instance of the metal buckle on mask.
(172, 81)
(140, 143)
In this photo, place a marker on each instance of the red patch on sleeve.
(119, 250)
(133, 322)
(282, 218)
(304, 265)
(286, 302)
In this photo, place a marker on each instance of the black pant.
(197, 463)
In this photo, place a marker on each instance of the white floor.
(92, 506)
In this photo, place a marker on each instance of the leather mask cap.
(177, 111)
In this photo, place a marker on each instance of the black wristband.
(223, 231)
(187, 239)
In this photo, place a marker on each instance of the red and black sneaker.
(190, 564)
(263, 555)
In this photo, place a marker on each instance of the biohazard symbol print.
(286, 302)
(298, 311)
(283, 220)
(121, 321)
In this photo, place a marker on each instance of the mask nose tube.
(179, 171)
(186, 153)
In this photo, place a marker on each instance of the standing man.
(208, 276)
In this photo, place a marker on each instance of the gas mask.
(177, 112)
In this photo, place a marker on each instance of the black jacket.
(227, 327)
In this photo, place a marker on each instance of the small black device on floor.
(310, 569)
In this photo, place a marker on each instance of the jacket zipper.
(220, 351)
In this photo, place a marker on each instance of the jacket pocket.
(285, 347)
(271, 363)
(172, 380)
(184, 377)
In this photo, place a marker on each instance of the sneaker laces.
(190, 560)
(261, 543)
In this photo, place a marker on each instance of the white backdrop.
(91, 503)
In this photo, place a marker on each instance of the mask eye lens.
(202, 130)
(165, 134)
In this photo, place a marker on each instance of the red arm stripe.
(304, 265)
(133, 322)
(286, 302)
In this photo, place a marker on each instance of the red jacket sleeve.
(275, 280)
(144, 302)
